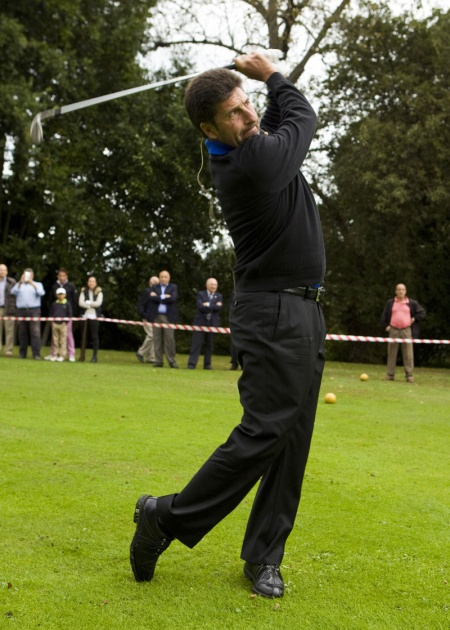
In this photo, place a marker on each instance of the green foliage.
(111, 190)
(368, 550)
(386, 214)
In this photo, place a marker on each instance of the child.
(60, 308)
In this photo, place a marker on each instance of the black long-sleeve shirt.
(267, 204)
(61, 309)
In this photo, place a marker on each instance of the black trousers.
(93, 325)
(29, 332)
(280, 343)
(196, 346)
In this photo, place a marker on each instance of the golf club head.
(36, 132)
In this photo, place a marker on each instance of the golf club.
(37, 134)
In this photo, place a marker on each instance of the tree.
(55, 53)
(298, 28)
(111, 190)
(386, 209)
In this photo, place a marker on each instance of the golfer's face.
(236, 120)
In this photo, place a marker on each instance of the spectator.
(146, 353)
(28, 294)
(163, 310)
(72, 298)
(60, 308)
(209, 305)
(401, 317)
(7, 309)
(91, 300)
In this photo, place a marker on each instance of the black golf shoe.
(149, 541)
(266, 578)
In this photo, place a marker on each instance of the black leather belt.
(309, 293)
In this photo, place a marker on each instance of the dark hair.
(205, 92)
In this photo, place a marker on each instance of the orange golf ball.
(330, 398)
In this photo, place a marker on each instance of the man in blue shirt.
(163, 310)
(28, 294)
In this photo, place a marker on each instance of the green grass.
(81, 442)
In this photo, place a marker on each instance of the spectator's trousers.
(147, 350)
(164, 340)
(196, 347)
(59, 339)
(29, 332)
(70, 341)
(407, 352)
(9, 331)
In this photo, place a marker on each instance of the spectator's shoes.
(149, 541)
(139, 357)
(266, 578)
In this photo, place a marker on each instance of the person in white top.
(91, 300)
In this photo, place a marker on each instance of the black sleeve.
(272, 161)
(143, 298)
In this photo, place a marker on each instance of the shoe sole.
(139, 524)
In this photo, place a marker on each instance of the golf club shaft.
(36, 127)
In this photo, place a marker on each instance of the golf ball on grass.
(330, 398)
(363, 377)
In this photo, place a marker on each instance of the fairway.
(81, 442)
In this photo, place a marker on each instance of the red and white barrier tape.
(224, 331)
(384, 339)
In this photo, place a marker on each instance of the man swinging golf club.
(276, 323)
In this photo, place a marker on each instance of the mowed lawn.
(81, 442)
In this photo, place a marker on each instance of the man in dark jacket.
(162, 309)
(7, 309)
(401, 317)
(209, 305)
(275, 318)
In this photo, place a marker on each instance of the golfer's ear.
(209, 130)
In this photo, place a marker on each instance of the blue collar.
(217, 148)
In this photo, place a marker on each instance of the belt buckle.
(320, 292)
